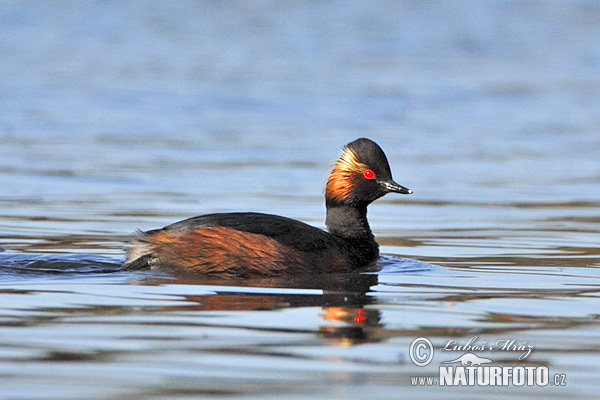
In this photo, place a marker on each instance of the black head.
(361, 175)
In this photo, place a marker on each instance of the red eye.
(369, 174)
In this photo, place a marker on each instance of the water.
(121, 116)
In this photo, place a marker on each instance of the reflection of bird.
(340, 301)
(255, 245)
(469, 359)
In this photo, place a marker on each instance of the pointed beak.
(393, 187)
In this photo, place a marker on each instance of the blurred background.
(125, 115)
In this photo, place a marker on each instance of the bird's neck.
(348, 222)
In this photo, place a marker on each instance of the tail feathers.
(143, 262)
(139, 251)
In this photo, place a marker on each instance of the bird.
(255, 245)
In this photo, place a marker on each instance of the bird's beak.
(393, 187)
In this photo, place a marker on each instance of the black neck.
(348, 222)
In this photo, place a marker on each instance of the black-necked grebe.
(263, 245)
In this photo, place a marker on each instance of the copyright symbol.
(421, 351)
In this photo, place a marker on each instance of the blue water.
(117, 116)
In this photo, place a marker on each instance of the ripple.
(22, 265)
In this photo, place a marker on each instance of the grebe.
(247, 244)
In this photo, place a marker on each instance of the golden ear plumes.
(343, 176)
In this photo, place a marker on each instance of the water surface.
(116, 117)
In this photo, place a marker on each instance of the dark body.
(254, 244)
(263, 245)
